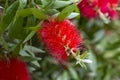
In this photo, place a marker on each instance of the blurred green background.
(102, 41)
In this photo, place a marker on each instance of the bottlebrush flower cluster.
(59, 37)
(13, 69)
(91, 8)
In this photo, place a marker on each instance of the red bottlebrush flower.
(108, 7)
(13, 69)
(89, 8)
(59, 35)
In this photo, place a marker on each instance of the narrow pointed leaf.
(66, 12)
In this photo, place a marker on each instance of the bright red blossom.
(58, 35)
(89, 8)
(13, 69)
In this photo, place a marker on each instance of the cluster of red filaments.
(92, 8)
(13, 69)
(59, 38)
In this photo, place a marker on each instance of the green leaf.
(32, 33)
(108, 71)
(111, 53)
(31, 21)
(44, 2)
(8, 16)
(16, 26)
(99, 35)
(73, 15)
(36, 63)
(22, 4)
(50, 3)
(65, 75)
(4, 44)
(32, 11)
(30, 58)
(17, 49)
(29, 36)
(24, 53)
(52, 12)
(93, 66)
(66, 12)
(84, 55)
(25, 12)
(16, 29)
(33, 28)
(83, 64)
(33, 49)
(6, 5)
(73, 73)
(38, 13)
(77, 53)
(60, 4)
